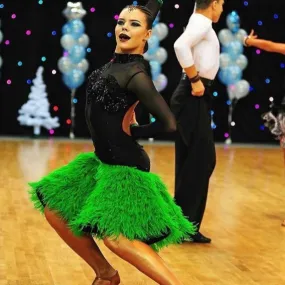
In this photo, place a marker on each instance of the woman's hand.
(129, 119)
(249, 40)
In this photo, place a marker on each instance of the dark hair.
(148, 15)
(203, 4)
(146, 11)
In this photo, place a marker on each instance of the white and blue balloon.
(232, 59)
(74, 41)
(232, 64)
(157, 55)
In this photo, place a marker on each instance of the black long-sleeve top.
(111, 91)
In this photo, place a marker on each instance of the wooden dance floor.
(245, 209)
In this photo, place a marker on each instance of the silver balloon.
(148, 56)
(74, 11)
(160, 82)
(83, 40)
(65, 65)
(67, 42)
(160, 30)
(225, 60)
(242, 61)
(231, 92)
(1, 36)
(225, 36)
(160, 55)
(240, 35)
(1, 61)
(241, 89)
(83, 65)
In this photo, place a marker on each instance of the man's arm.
(195, 31)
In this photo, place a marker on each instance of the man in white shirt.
(197, 51)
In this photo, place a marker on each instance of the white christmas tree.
(36, 111)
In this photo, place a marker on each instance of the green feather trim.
(112, 200)
(160, 2)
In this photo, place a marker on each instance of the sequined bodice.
(111, 91)
(108, 99)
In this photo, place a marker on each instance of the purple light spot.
(7, 42)
(13, 16)
(28, 32)
(92, 10)
(116, 17)
(9, 81)
(258, 51)
(256, 106)
(171, 25)
(226, 135)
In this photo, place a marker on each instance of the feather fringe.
(112, 200)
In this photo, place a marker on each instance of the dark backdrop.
(45, 18)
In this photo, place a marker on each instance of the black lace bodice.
(111, 91)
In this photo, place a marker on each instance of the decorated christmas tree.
(35, 112)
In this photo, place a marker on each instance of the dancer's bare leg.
(144, 258)
(84, 246)
(283, 223)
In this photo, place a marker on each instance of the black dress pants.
(195, 156)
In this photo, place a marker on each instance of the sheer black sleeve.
(143, 88)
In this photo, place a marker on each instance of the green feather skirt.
(112, 200)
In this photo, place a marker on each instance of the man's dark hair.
(203, 4)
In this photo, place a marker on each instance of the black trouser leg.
(195, 156)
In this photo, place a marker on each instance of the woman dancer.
(275, 118)
(110, 194)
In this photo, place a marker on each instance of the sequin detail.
(126, 58)
(106, 91)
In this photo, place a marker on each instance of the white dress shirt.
(199, 46)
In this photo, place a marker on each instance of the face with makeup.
(132, 31)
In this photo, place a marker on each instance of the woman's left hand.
(249, 40)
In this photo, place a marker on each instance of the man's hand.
(198, 88)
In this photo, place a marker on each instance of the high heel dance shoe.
(115, 280)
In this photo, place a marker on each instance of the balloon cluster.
(232, 61)
(1, 38)
(73, 64)
(157, 55)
